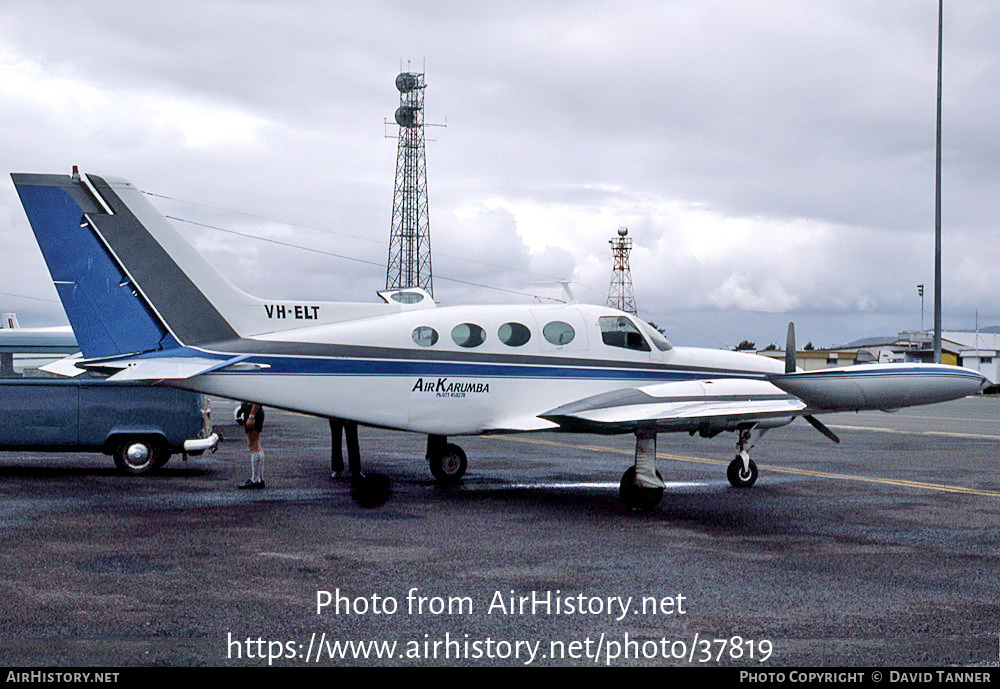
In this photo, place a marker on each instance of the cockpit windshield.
(656, 337)
(619, 331)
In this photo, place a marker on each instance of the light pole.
(920, 291)
(937, 205)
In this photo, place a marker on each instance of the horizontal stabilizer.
(64, 367)
(164, 368)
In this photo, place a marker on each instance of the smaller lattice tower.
(620, 295)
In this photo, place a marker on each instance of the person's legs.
(256, 461)
(336, 448)
(353, 449)
(256, 456)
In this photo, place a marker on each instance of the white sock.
(257, 466)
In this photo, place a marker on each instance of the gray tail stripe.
(188, 314)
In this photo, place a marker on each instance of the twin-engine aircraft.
(145, 305)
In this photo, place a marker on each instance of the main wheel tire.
(449, 466)
(740, 477)
(137, 456)
(638, 498)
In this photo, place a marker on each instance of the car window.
(468, 335)
(619, 331)
(558, 333)
(514, 334)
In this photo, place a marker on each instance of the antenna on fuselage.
(568, 291)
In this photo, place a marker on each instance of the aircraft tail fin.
(9, 321)
(130, 282)
(108, 314)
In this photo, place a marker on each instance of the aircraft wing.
(708, 406)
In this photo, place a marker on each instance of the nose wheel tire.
(638, 498)
(738, 476)
(449, 465)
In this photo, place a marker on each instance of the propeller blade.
(790, 349)
(818, 425)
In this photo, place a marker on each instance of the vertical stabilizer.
(130, 282)
(106, 312)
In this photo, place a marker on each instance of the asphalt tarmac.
(880, 551)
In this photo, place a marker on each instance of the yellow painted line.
(924, 417)
(945, 434)
(783, 470)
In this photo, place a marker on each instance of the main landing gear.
(641, 487)
(742, 472)
(447, 460)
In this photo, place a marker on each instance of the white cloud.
(119, 118)
(766, 157)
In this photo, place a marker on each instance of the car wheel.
(136, 456)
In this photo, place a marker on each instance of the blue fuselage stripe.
(389, 367)
(842, 375)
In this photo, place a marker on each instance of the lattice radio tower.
(410, 238)
(620, 295)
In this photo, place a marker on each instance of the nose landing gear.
(742, 472)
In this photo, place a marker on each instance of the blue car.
(139, 425)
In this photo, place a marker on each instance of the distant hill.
(992, 330)
(869, 341)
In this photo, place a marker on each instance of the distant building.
(977, 351)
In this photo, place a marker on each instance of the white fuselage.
(372, 371)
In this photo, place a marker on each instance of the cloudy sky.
(773, 160)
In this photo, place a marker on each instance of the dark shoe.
(252, 485)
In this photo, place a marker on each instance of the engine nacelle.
(879, 386)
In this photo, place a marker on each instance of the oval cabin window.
(558, 333)
(425, 336)
(468, 335)
(514, 334)
(407, 297)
